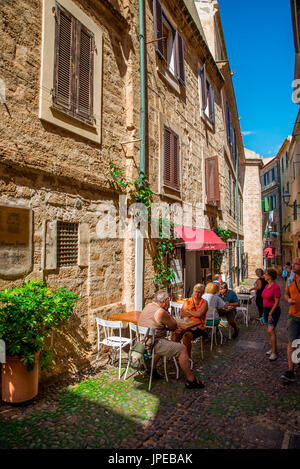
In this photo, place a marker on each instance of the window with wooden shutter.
(212, 180)
(74, 67)
(171, 159)
(168, 43)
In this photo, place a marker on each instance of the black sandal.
(196, 384)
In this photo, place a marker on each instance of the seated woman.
(194, 309)
(211, 295)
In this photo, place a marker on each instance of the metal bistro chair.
(174, 309)
(111, 340)
(139, 333)
(244, 309)
(213, 324)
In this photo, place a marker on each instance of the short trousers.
(293, 328)
(167, 348)
(275, 316)
(198, 333)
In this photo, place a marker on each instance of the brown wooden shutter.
(171, 159)
(175, 165)
(158, 28)
(212, 180)
(167, 156)
(180, 74)
(64, 52)
(84, 72)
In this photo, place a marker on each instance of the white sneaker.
(269, 352)
(273, 357)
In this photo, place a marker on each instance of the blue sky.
(260, 46)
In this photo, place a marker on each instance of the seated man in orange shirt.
(194, 309)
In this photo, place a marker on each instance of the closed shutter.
(176, 166)
(263, 205)
(180, 74)
(212, 180)
(158, 28)
(171, 159)
(84, 73)
(167, 156)
(64, 52)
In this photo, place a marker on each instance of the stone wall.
(252, 213)
(61, 175)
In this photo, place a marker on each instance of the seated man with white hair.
(156, 316)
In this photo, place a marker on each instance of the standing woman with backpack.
(259, 287)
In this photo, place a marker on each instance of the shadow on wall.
(71, 351)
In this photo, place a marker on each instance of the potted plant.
(28, 315)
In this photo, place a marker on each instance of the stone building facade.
(271, 208)
(62, 126)
(286, 180)
(252, 212)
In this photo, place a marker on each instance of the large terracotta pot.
(19, 385)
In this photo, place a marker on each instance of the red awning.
(197, 239)
(269, 252)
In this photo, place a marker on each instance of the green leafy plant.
(140, 191)
(224, 235)
(165, 248)
(29, 315)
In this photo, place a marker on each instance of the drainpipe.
(139, 240)
(237, 221)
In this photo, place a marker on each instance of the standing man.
(229, 296)
(292, 296)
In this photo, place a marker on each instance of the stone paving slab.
(243, 391)
(262, 437)
(250, 344)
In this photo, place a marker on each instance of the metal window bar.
(67, 243)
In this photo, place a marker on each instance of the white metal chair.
(244, 309)
(111, 340)
(140, 333)
(225, 324)
(213, 323)
(174, 309)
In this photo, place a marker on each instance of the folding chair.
(110, 340)
(213, 324)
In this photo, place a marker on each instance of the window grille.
(67, 243)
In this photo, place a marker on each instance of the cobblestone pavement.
(244, 404)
